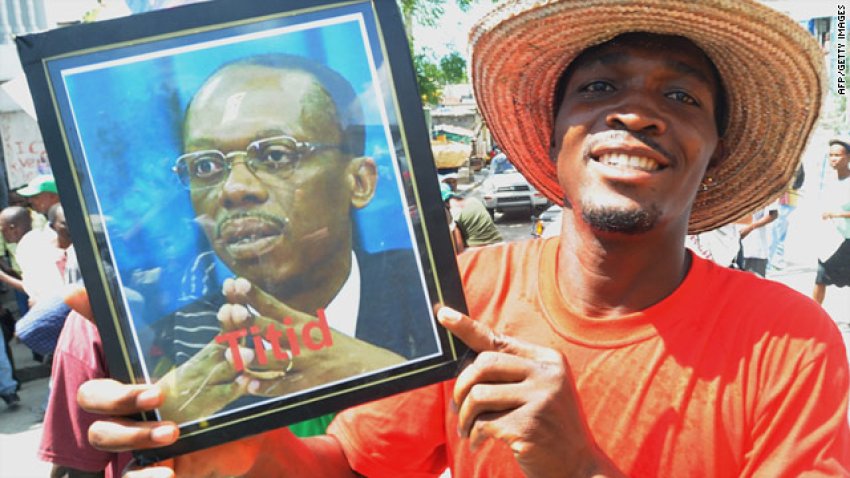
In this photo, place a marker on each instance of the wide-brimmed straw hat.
(771, 69)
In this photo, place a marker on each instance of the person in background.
(834, 263)
(457, 238)
(721, 245)
(39, 328)
(78, 358)
(15, 221)
(779, 228)
(38, 250)
(474, 223)
(8, 384)
(755, 241)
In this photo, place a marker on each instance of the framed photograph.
(254, 207)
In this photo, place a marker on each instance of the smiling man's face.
(286, 232)
(635, 133)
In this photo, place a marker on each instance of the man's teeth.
(629, 162)
(248, 239)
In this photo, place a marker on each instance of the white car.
(507, 190)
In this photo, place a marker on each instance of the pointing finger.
(481, 338)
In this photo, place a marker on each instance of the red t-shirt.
(731, 375)
(78, 358)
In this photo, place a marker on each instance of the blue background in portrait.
(129, 118)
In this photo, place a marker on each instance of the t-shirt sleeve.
(398, 436)
(800, 425)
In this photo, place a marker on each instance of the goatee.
(621, 221)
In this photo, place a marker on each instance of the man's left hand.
(524, 395)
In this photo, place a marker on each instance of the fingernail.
(227, 286)
(148, 398)
(448, 315)
(254, 386)
(240, 314)
(242, 381)
(164, 434)
(225, 313)
(246, 354)
(242, 285)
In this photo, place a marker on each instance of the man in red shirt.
(610, 351)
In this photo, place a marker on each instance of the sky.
(450, 34)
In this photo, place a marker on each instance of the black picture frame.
(111, 99)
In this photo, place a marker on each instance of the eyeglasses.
(277, 156)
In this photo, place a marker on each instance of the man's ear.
(719, 155)
(363, 178)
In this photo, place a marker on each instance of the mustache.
(280, 222)
(624, 136)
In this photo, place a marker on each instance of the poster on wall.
(23, 150)
(254, 206)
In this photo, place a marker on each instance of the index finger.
(481, 338)
(241, 291)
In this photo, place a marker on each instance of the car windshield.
(501, 165)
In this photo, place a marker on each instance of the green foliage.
(423, 12)
(835, 117)
(430, 74)
(430, 79)
(453, 67)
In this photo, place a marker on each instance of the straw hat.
(772, 70)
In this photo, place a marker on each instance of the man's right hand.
(113, 400)
(283, 454)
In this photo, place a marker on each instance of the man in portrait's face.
(274, 197)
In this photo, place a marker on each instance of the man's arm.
(275, 453)
(11, 280)
(837, 215)
(763, 221)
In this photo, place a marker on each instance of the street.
(514, 225)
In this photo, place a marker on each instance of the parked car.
(507, 190)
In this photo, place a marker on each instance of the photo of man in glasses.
(273, 161)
